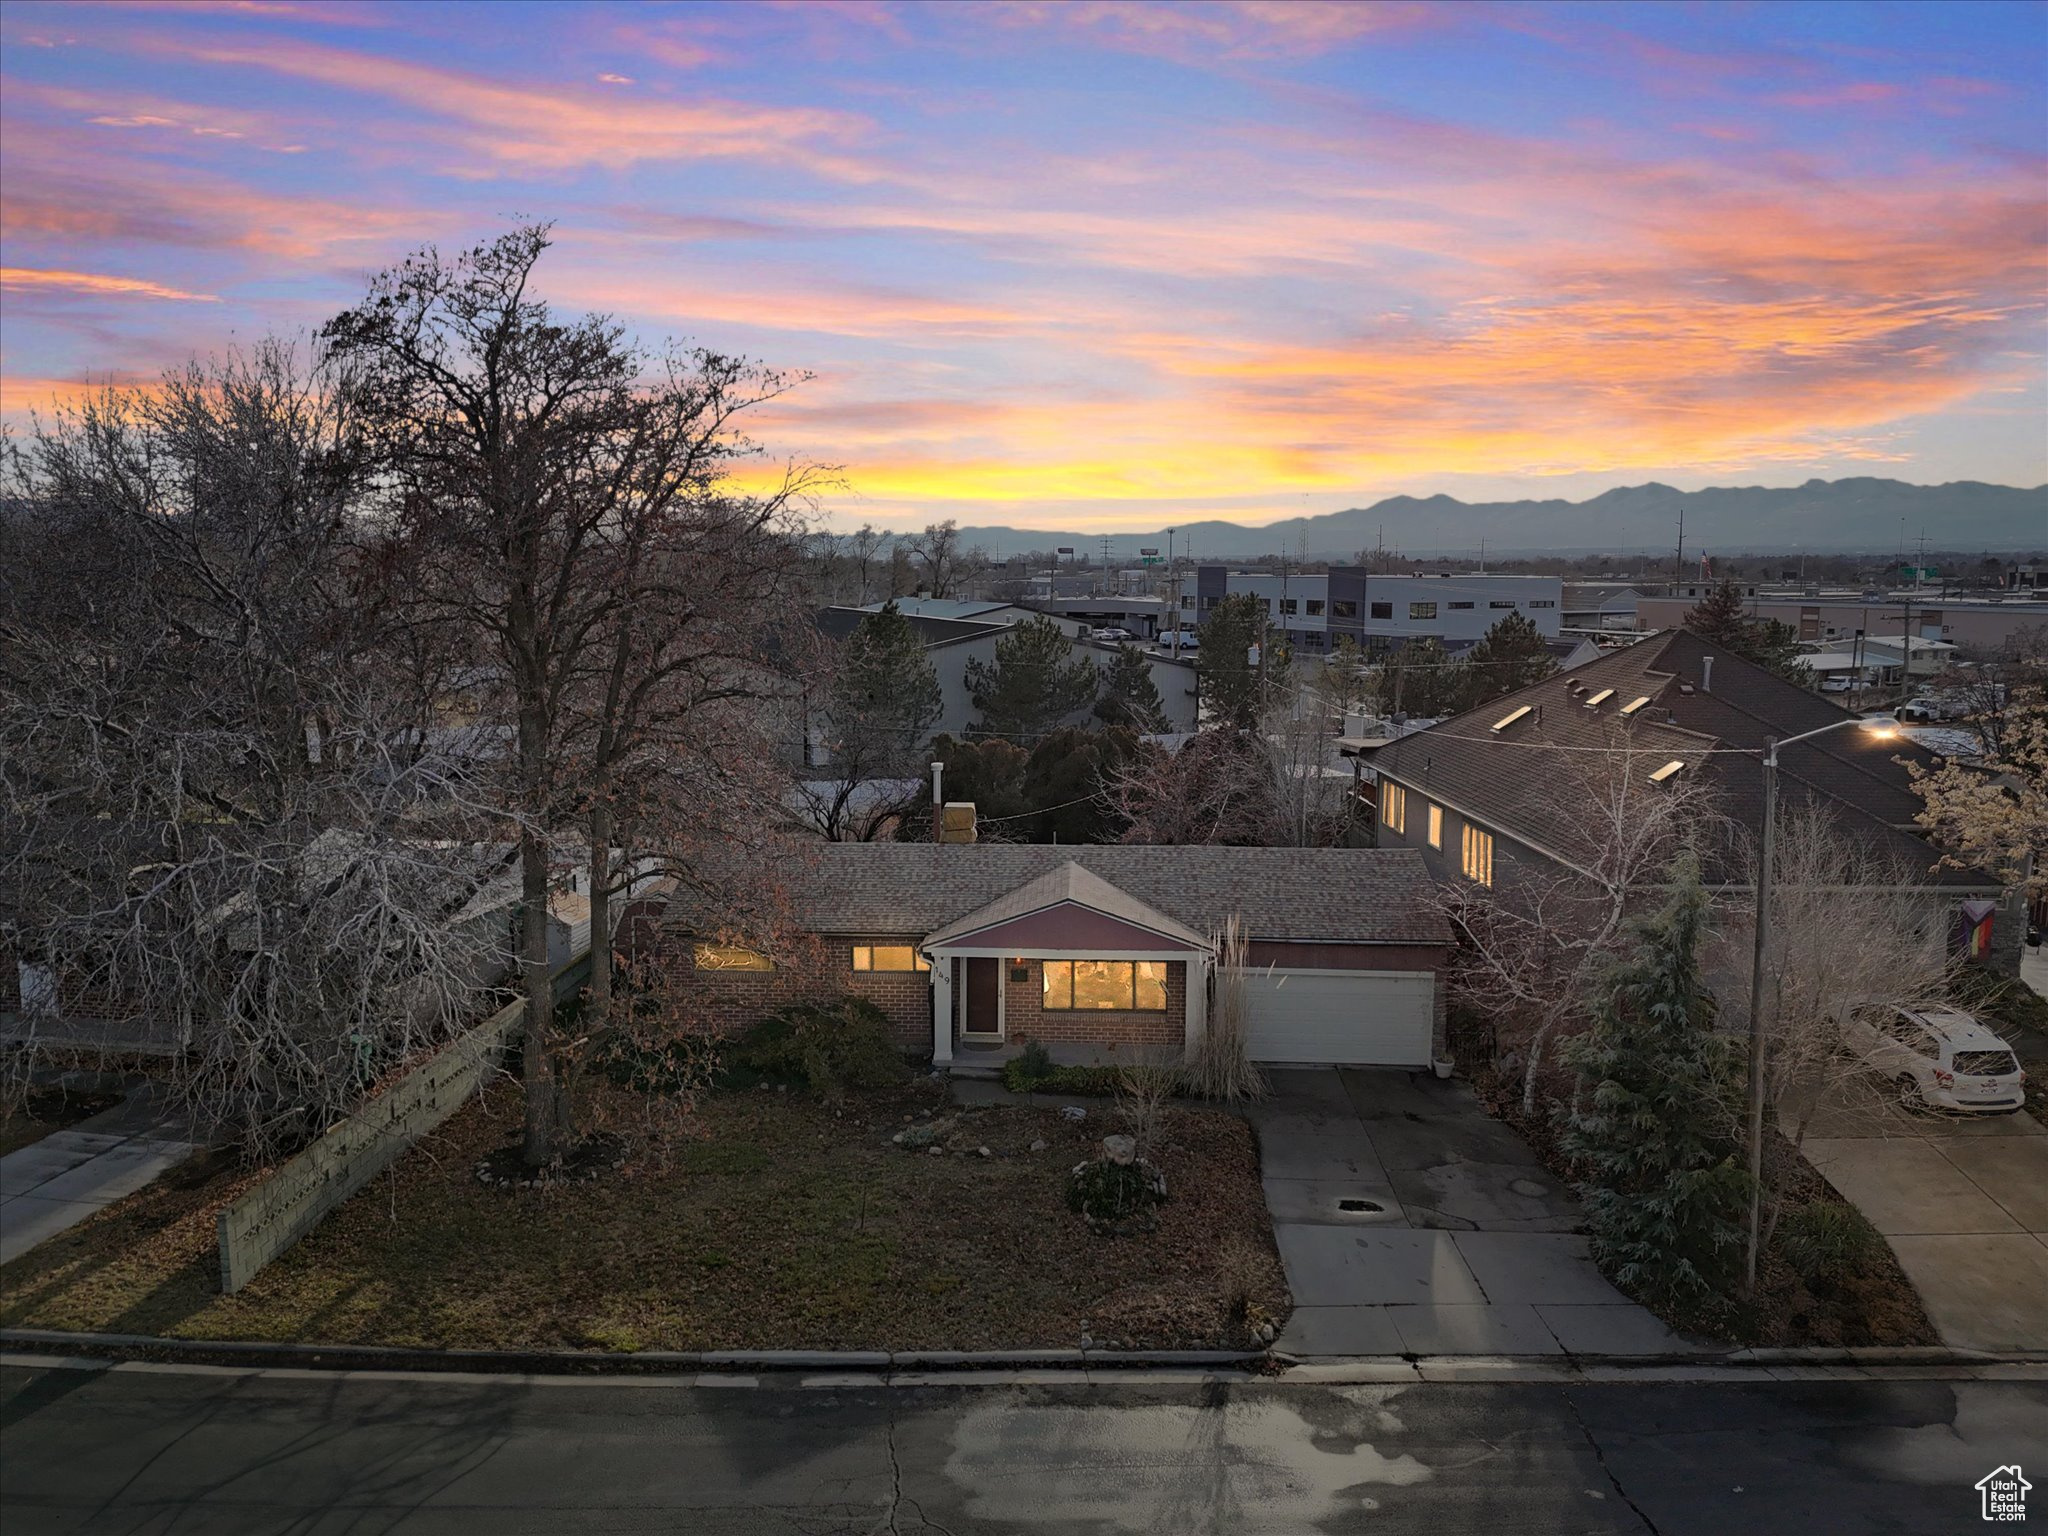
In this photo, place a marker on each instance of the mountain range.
(1821, 516)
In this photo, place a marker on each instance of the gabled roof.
(1311, 895)
(1515, 780)
(1068, 884)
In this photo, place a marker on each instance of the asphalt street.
(177, 1450)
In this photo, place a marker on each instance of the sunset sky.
(1107, 265)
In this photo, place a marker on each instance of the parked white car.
(1937, 1058)
(1113, 634)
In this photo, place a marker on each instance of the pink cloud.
(93, 285)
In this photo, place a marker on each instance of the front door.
(984, 998)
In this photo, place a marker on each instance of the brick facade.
(727, 1002)
(1026, 1018)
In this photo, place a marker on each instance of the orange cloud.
(94, 285)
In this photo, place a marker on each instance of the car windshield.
(1985, 1063)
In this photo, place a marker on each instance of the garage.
(1341, 1018)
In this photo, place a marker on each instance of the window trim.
(918, 964)
(1475, 857)
(1046, 995)
(1394, 807)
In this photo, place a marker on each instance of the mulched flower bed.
(771, 1221)
(1874, 1305)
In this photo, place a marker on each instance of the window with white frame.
(1436, 826)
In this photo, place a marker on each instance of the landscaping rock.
(1073, 1112)
(985, 1152)
(925, 1135)
(1121, 1150)
(1040, 1145)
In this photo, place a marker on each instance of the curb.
(376, 1357)
(1754, 1364)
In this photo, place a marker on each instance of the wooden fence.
(293, 1200)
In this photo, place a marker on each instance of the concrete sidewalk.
(1412, 1222)
(57, 1182)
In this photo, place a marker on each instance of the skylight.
(1670, 768)
(1599, 698)
(1510, 718)
(1635, 704)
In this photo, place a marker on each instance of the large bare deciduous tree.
(565, 499)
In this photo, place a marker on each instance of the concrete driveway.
(1412, 1222)
(1964, 1203)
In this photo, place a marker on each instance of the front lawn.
(780, 1224)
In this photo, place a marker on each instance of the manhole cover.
(1361, 1207)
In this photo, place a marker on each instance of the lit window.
(731, 957)
(1422, 610)
(1477, 858)
(1120, 986)
(1393, 806)
(1436, 826)
(888, 957)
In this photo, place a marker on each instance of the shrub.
(1113, 1195)
(1240, 1271)
(1142, 1090)
(828, 1047)
(1080, 1082)
(1827, 1241)
(1033, 1064)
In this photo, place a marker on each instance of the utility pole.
(1678, 562)
(1173, 577)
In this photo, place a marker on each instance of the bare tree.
(1535, 943)
(233, 823)
(543, 490)
(1851, 929)
(942, 562)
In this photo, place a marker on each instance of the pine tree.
(1719, 617)
(1129, 696)
(1034, 683)
(1230, 683)
(1510, 655)
(1421, 679)
(885, 697)
(1768, 643)
(1652, 1127)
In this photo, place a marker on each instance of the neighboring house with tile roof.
(1493, 788)
(973, 950)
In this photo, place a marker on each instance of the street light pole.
(1766, 854)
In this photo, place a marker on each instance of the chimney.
(938, 804)
(1706, 674)
(956, 822)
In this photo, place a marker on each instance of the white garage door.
(1348, 1018)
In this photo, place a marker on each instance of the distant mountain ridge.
(1821, 516)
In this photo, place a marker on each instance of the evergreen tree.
(1064, 783)
(1035, 682)
(988, 773)
(1420, 679)
(884, 698)
(1129, 696)
(1652, 1126)
(1230, 683)
(1768, 643)
(1510, 655)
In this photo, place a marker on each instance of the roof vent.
(1599, 698)
(1706, 674)
(1510, 718)
(1668, 771)
(1685, 687)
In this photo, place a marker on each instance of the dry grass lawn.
(779, 1223)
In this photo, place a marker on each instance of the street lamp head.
(1879, 728)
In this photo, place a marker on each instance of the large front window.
(731, 957)
(1476, 856)
(888, 957)
(1124, 986)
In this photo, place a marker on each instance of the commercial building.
(1980, 623)
(1382, 612)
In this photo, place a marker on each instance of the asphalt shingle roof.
(1509, 781)
(1335, 895)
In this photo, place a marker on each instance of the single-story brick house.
(973, 950)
